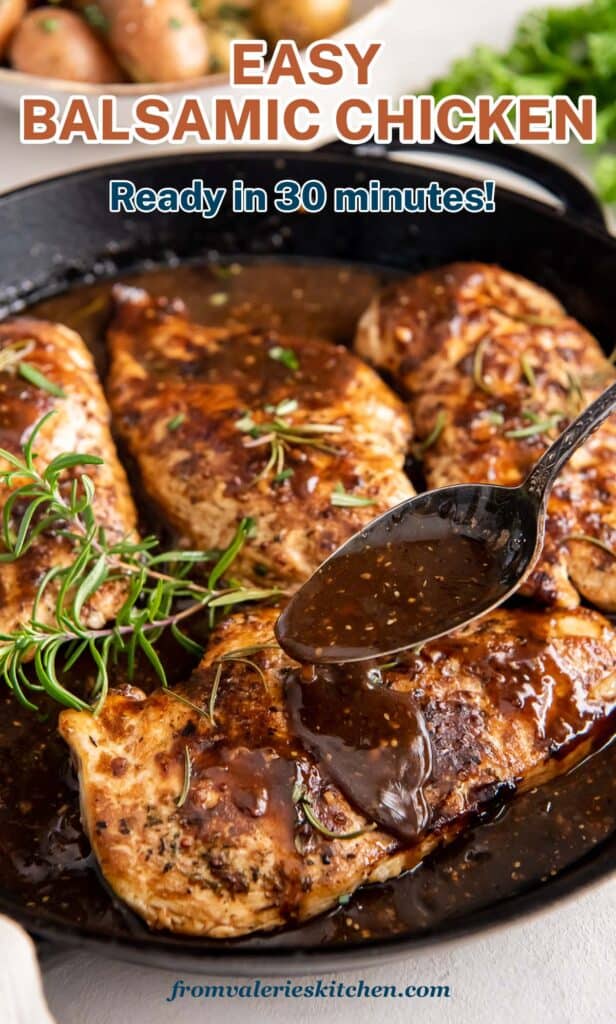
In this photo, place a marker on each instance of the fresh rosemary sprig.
(59, 500)
(301, 799)
(281, 435)
(244, 656)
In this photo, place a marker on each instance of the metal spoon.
(430, 565)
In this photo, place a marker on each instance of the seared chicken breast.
(493, 370)
(221, 821)
(295, 432)
(45, 367)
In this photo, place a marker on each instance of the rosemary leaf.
(181, 800)
(439, 425)
(588, 539)
(341, 498)
(528, 371)
(535, 428)
(478, 375)
(214, 691)
(39, 380)
(184, 700)
(311, 817)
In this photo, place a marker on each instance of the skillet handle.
(575, 196)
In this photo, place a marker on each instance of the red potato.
(55, 43)
(11, 13)
(156, 40)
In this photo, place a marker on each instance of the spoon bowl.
(430, 565)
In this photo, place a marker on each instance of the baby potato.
(55, 43)
(220, 35)
(160, 41)
(11, 13)
(302, 20)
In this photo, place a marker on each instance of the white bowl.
(370, 20)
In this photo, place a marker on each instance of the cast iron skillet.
(59, 233)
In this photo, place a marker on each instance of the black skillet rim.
(238, 959)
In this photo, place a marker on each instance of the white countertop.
(553, 969)
(556, 968)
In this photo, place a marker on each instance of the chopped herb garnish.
(227, 12)
(439, 425)
(175, 23)
(181, 800)
(537, 426)
(286, 356)
(528, 371)
(176, 421)
(48, 25)
(494, 417)
(285, 475)
(95, 17)
(281, 435)
(478, 375)
(341, 498)
(39, 380)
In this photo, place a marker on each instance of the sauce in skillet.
(369, 740)
(45, 861)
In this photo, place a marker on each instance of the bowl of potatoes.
(133, 47)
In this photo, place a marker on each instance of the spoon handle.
(540, 480)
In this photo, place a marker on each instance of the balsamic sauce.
(404, 590)
(352, 724)
(371, 741)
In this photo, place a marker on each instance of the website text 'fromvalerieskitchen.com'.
(318, 988)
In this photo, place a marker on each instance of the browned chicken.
(219, 822)
(80, 424)
(295, 432)
(494, 369)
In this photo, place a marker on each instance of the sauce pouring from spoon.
(430, 565)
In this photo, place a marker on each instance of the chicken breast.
(222, 821)
(295, 432)
(493, 370)
(68, 386)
